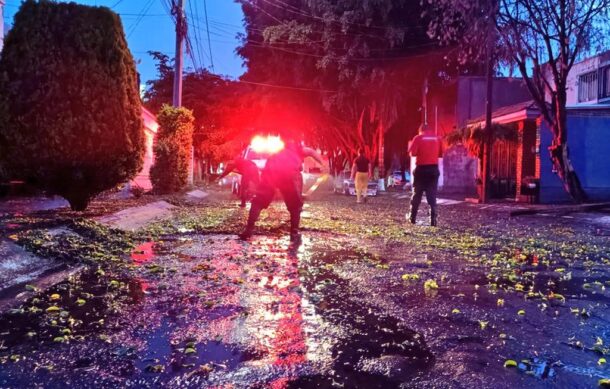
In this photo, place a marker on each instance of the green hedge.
(173, 146)
(71, 121)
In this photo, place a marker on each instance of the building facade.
(589, 82)
(453, 106)
(142, 180)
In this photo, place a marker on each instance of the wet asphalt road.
(343, 309)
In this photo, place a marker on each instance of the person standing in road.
(427, 148)
(282, 172)
(249, 176)
(361, 173)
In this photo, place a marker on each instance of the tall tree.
(358, 63)
(215, 102)
(68, 89)
(544, 39)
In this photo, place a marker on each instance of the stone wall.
(459, 171)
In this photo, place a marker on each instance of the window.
(605, 92)
(587, 86)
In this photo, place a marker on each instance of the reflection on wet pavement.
(211, 311)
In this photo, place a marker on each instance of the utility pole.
(178, 11)
(2, 2)
(488, 138)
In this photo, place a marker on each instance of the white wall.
(150, 131)
(588, 65)
(580, 68)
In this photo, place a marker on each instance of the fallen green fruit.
(510, 363)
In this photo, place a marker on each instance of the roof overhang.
(529, 113)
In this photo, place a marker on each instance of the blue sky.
(155, 31)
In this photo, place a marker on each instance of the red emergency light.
(267, 144)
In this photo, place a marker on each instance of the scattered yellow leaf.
(430, 284)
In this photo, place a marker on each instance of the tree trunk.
(563, 166)
(560, 155)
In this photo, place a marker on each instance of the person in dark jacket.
(282, 172)
(427, 148)
(249, 176)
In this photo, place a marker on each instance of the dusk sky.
(148, 26)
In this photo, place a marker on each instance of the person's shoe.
(410, 218)
(245, 235)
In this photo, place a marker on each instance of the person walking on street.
(282, 172)
(361, 173)
(249, 176)
(427, 148)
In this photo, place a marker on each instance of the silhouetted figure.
(282, 172)
(361, 173)
(249, 176)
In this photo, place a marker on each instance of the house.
(452, 106)
(589, 82)
(151, 126)
(588, 104)
(517, 167)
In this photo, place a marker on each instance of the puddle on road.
(228, 312)
(143, 253)
(373, 350)
(213, 311)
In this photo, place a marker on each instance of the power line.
(292, 9)
(200, 39)
(145, 9)
(207, 24)
(273, 85)
(117, 3)
(195, 36)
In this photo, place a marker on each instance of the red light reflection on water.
(143, 253)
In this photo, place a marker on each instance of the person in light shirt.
(427, 148)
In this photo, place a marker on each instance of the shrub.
(172, 149)
(68, 87)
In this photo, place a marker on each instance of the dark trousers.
(245, 188)
(425, 179)
(290, 185)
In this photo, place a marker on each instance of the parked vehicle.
(345, 185)
(396, 179)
